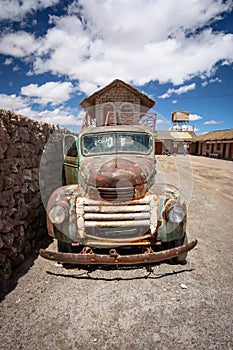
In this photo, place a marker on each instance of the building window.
(127, 114)
(218, 146)
(108, 114)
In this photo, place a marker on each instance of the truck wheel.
(63, 177)
(64, 247)
(181, 259)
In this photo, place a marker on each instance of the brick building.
(116, 103)
(217, 144)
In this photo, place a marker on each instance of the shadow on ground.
(8, 285)
(149, 273)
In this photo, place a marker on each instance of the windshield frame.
(115, 137)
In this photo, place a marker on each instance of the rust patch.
(114, 258)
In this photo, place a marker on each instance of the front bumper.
(113, 258)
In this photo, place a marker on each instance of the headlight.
(176, 214)
(57, 214)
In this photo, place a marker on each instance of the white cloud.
(135, 40)
(17, 9)
(22, 105)
(58, 116)
(194, 117)
(50, 92)
(213, 122)
(211, 81)
(19, 44)
(13, 102)
(179, 91)
(8, 61)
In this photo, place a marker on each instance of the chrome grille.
(116, 218)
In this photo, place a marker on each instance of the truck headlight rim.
(176, 214)
(57, 214)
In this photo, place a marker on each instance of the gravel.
(163, 306)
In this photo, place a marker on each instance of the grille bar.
(119, 223)
(116, 216)
(116, 208)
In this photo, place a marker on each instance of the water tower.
(180, 121)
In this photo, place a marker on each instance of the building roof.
(90, 100)
(215, 135)
(175, 135)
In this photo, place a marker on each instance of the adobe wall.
(22, 214)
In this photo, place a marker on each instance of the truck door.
(71, 162)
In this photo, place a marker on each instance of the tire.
(181, 259)
(63, 177)
(64, 247)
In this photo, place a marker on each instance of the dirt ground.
(168, 307)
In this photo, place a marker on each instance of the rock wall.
(22, 213)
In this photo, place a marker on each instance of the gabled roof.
(145, 100)
(215, 135)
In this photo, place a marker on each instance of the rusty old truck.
(110, 209)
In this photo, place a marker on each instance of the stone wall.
(22, 213)
(117, 94)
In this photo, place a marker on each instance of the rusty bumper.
(114, 258)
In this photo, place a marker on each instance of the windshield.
(107, 143)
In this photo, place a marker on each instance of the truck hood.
(106, 171)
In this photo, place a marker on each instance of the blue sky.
(54, 53)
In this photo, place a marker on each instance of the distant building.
(173, 141)
(217, 144)
(179, 137)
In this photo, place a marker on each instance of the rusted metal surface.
(118, 178)
(149, 213)
(114, 258)
(98, 214)
(116, 203)
(141, 240)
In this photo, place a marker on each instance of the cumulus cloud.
(194, 117)
(50, 92)
(211, 81)
(58, 116)
(22, 105)
(213, 122)
(13, 102)
(135, 40)
(8, 61)
(179, 91)
(19, 44)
